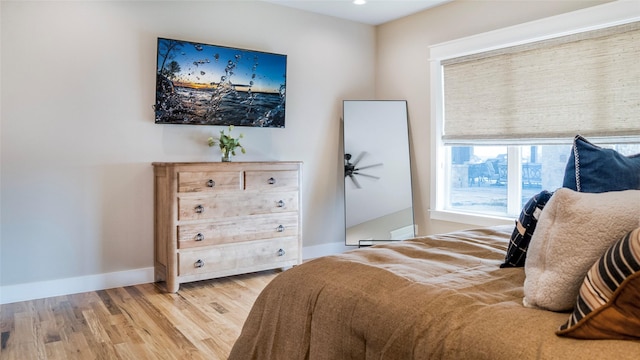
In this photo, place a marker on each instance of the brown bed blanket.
(436, 297)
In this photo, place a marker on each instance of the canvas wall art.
(200, 84)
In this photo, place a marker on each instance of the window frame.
(596, 17)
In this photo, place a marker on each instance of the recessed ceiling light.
(359, 2)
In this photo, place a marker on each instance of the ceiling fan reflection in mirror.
(352, 169)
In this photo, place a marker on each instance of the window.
(481, 183)
(507, 104)
(477, 177)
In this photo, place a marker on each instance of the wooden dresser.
(219, 219)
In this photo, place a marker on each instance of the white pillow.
(573, 232)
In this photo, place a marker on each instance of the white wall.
(403, 70)
(78, 134)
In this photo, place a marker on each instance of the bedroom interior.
(78, 260)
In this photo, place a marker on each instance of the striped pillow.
(608, 305)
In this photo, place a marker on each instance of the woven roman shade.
(586, 83)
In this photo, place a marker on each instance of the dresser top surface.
(231, 164)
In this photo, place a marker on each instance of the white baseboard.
(403, 233)
(74, 285)
(58, 287)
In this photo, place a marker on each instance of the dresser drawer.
(234, 256)
(271, 179)
(239, 229)
(231, 205)
(203, 181)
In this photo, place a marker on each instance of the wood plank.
(55, 350)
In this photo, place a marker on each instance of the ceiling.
(374, 12)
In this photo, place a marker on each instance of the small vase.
(226, 157)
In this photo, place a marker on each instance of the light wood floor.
(201, 321)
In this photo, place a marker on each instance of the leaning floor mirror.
(377, 172)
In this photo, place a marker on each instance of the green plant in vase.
(228, 144)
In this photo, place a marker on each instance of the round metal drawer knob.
(281, 252)
(199, 209)
(211, 183)
(280, 228)
(198, 264)
(280, 203)
(271, 181)
(199, 237)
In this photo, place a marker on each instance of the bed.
(564, 283)
(436, 297)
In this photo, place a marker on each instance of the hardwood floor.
(201, 321)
